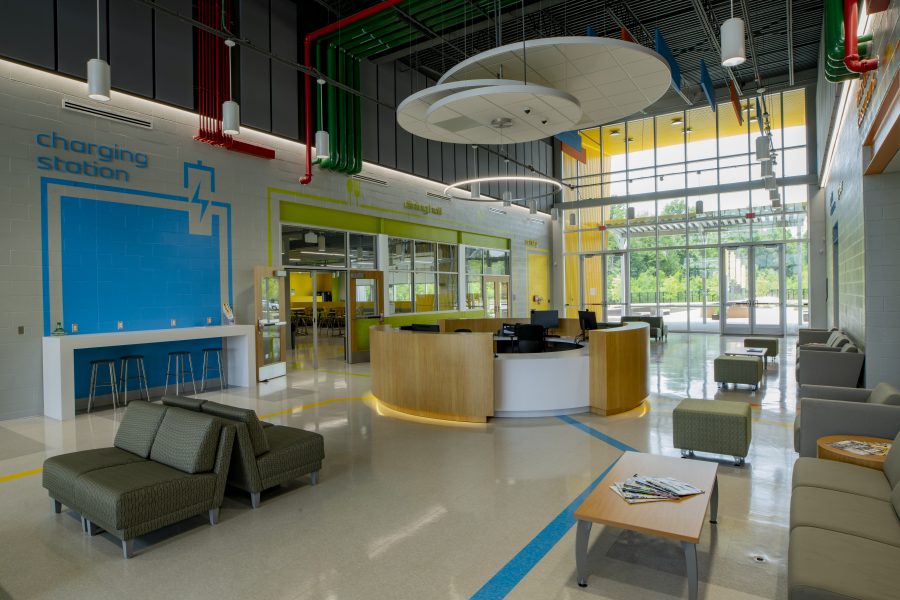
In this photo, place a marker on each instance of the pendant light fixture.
(475, 187)
(231, 111)
(323, 141)
(507, 198)
(98, 71)
(732, 41)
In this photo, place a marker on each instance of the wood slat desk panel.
(619, 368)
(444, 376)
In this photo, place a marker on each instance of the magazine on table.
(862, 448)
(641, 488)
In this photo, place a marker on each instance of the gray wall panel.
(403, 88)
(461, 170)
(387, 129)
(448, 155)
(76, 40)
(435, 168)
(255, 75)
(26, 31)
(174, 41)
(286, 104)
(420, 145)
(131, 47)
(369, 85)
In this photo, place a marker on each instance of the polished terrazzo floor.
(412, 509)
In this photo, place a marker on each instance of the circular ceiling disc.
(502, 114)
(611, 79)
(411, 113)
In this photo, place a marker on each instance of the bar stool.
(220, 368)
(141, 376)
(110, 363)
(181, 369)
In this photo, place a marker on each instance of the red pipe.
(307, 60)
(851, 49)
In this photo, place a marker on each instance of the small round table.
(824, 450)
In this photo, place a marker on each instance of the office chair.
(587, 320)
(462, 330)
(529, 338)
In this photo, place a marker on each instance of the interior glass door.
(366, 290)
(736, 301)
(614, 287)
(768, 289)
(272, 325)
(496, 296)
(304, 319)
(592, 272)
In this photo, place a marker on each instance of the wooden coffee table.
(823, 450)
(680, 520)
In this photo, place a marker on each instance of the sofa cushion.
(840, 477)
(892, 463)
(242, 415)
(847, 513)
(290, 449)
(885, 393)
(130, 495)
(139, 427)
(850, 348)
(187, 441)
(825, 565)
(833, 337)
(62, 471)
(183, 402)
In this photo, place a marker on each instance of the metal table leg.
(690, 556)
(582, 534)
(714, 502)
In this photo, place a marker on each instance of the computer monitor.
(587, 320)
(545, 318)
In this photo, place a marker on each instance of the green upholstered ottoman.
(770, 344)
(718, 426)
(738, 369)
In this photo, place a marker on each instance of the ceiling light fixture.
(477, 181)
(532, 207)
(98, 78)
(614, 133)
(323, 142)
(507, 198)
(732, 41)
(677, 121)
(231, 111)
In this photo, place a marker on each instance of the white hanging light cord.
(230, 43)
(98, 28)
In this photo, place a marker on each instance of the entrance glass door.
(753, 301)
(366, 289)
(496, 296)
(305, 318)
(614, 287)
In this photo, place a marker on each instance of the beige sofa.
(845, 530)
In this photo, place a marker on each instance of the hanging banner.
(759, 117)
(571, 145)
(706, 85)
(736, 102)
(662, 48)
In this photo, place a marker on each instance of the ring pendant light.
(477, 181)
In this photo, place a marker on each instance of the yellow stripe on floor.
(297, 409)
(5, 478)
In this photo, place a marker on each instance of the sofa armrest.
(819, 418)
(811, 336)
(842, 369)
(818, 348)
(223, 462)
(831, 392)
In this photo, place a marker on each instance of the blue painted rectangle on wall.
(136, 264)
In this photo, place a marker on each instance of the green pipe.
(358, 132)
(342, 112)
(332, 112)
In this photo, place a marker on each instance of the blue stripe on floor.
(597, 434)
(513, 572)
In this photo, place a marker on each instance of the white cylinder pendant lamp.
(698, 207)
(765, 169)
(507, 198)
(763, 148)
(231, 118)
(323, 143)
(770, 183)
(98, 78)
(732, 41)
(231, 111)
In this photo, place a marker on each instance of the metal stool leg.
(123, 380)
(93, 387)
(179, 363)
(223, 369)
(113, 384)
(168, 372)
(204, 371)
(142, 377)
(191, 367)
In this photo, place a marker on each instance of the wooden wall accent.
(619, 368)
(434, 375)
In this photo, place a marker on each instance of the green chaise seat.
(168, 464)
(718, 426)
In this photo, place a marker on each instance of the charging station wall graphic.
(114, 254)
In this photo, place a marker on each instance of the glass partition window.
(683, 159)
(311, 247)
(423, 276)
(481, 263)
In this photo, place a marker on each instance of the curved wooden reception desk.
(620, 368)
(457, 376)
(443, 376)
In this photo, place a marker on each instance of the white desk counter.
(59, 357)
(542, 383)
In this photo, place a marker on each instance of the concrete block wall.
(31, 103)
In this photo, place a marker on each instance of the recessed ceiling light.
(688, 130)
(629, 140)
(677, 121)
(614, 133)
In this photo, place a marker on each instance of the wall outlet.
(21, 330)
(120, 325)
(172, 322)
(209, 320)
(74, 327)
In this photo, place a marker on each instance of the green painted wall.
(362, 325)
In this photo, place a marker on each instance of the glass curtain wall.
(673, 244)
(482, 262)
